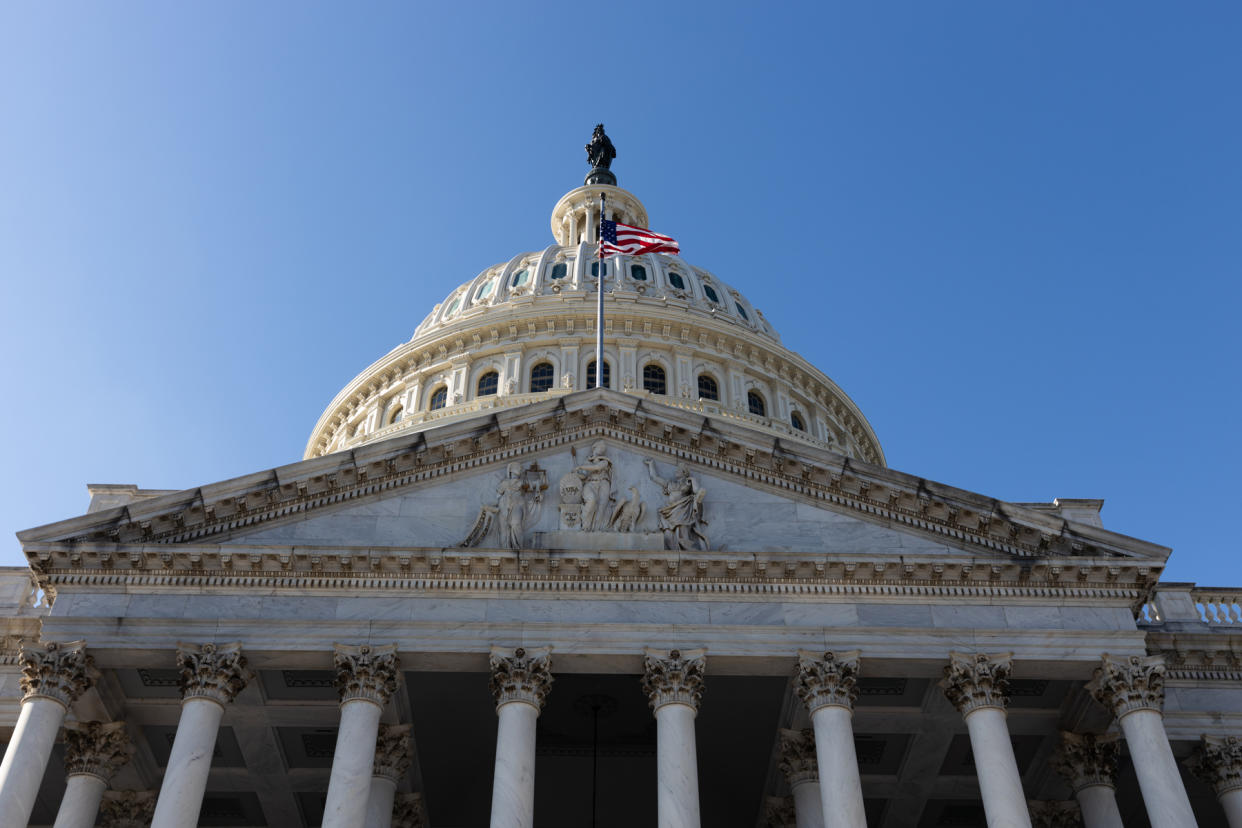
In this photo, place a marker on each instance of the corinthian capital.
(1054, 814)
(211, 671)
(392, 752)
(829, 680)
(675, 677)
(1218, 762)
(408, 811)
(60, 672)
(96, 748)
(366, 671)
(1127, 684)
(778, 812)
(798, 760)
(975, 680)
(127, 809)
(521, 675)
(1085, 759)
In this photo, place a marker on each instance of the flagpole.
(599, 311)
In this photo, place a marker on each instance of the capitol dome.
(524, 329)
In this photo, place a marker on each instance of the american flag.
(621, 238)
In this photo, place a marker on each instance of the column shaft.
(808, 805)
(1231, 801)
(25, 760)
(513, 783)
(840, 787)
(185, 778)
(379, 803)
(1159, 778)
(349, 786)
(1000, 785)
(80, 805)
(677, 773)
(1099, 807)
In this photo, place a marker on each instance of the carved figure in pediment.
(518, 506)
(629, 513)
(596, 476)
(681, 516)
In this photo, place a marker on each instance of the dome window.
(654, 379)
(559, 270)
(755, 403)
(709, 389)
(394, 416)
(488, 383)
(439, 398)
(452, 308)
(595, 269)
(591, 375)
(486, 290)
(520, 277)
(795, 420)
(710, 293)
(541, 377)
(638, 273)
(742, 311)
(676, 281)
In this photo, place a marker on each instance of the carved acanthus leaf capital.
(975, 680)
(1125, 685)
(1218, 762)
(778, 812)
(60, 672)
(370, 672)
(674, 677)
(1054, 814)
(1085, 759)
(798, 760)
(408, 811)
(211, 671)
(127, 809)
(521, 675)
(96, 748)
(827, 680)
(392, 752)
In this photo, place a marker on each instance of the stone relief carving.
(681, 516)
(629, 513)
(518, 507)
(586, 492)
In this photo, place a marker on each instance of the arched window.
(795, 420)
(709, 389)
(710, 293)
(654, 379)
(559, 270)
(742, 311)
(541, 377)
(453, 306)
(485, 290)
(676, 281)
(638, 273)
(591, 375)
(595, 269)
(520, 277)
(488, 383)
(756, 404)
(394, 416)
(439, 398)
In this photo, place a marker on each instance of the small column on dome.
(600, 153)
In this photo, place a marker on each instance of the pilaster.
(366, 671)
(211, 671)
(521, 675)
(675, 678)
(975, 680)
(827, 681)
(60, 672)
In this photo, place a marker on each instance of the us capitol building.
(492, 594)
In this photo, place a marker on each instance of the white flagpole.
(599, 314)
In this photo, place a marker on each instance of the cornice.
(1212, 655)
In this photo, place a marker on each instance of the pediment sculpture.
(518, 506)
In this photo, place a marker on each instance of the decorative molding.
(975, 680)
(1086, 760)
(1218, 762)
(674, 677)
(211, 671)
(60, 672)
(392, 752)
(828, 680)
(127, 809)
(96, 748)
(366, 672)
(798, 760)
(408, 811)
(521, 675)
(1125, 685)
(1054, 814)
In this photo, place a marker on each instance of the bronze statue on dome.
(600, 153)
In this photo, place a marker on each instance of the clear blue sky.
(1010, 231)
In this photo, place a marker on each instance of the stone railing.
(1190, 604)
(1219, 606)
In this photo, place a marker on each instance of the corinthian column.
(801, 769)
(392, 760)
(520, 682)
(1089, 764)
(1133, 688)
(673, 682)
(978, 686)
(366, 677)
(211, 676)
(127, 809)
(53, 677)
(1219, 763)
(827, 686)
(93, 752)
